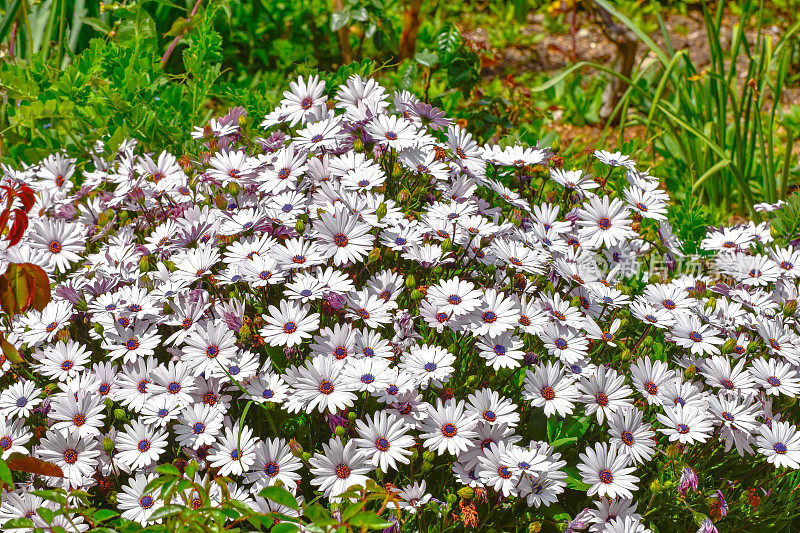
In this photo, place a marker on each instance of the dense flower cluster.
(383, 289)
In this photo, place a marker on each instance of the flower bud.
(437, 271)
(728, 347)
(381, 211)
(358, 145)
(416, 295)
(144, 264)
(711, 305)
(98, 328)
(411, 283)
(306, 456)
(397, 172)
(108, 445)
(452, 498)
(674, 451)
(374, 255)
(790, 308)
(296, 448)
(428, 456)
(242, 121)
(300, 226)
(244, 331)
(339, 431)
(119, 414)
(352, 416)
(466, 493)
(233, 188)
(447, 245)
(690, 372)
(425, 468)
(655, 486)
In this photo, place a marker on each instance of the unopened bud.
(108, 445)
(352, 416)
(790, 308)
(358, 145)
(242, 121)
(728, 347)
(466, 493)
(411, 283)
(300, 226)
(447, 245)
(381, 211)
(339, 431)
(119, 414)
(416, 295)
(397, 172)
(144, 264)
(690, 372)
(425, 468)
(428, 456)
(296, 448)
(374, 255)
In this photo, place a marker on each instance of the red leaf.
(18, 227)
(23, 463)
(4, 218)
(26, 195)
(7, 300)
(9, 350)
(38, 283)
(20, 285)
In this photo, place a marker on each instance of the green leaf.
(339, 19)
(284, 527)
(46, 514)
(574, 480)
(5, 474)
(8, 18)
(281, 496)
(167, 510)
(553, 428)
(426, 59)
(168, 470)
(104, 514)
(370, 520)
(562, 441)
(18, 523)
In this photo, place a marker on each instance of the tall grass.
(723, 129)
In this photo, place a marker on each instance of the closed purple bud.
(723, 505)
(531, 358)
(688, 481)
(707, 526)
(335, 300)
